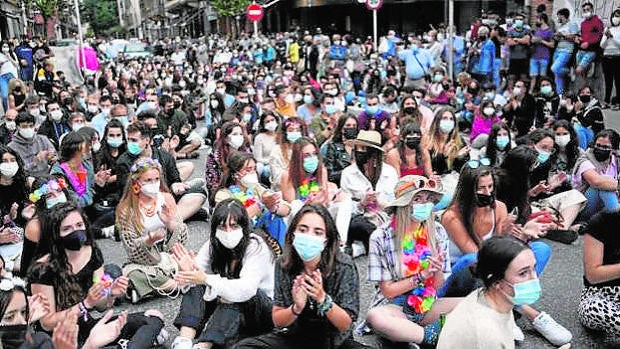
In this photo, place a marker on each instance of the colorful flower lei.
(416, 255)
(308, 186)
(46, 188)
(246, 198)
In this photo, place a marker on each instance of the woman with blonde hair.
(407, 259)
(149, 226)
(448, 150)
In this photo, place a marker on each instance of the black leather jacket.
(336, 160)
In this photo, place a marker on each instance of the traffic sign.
(255, 12)
(374, 5)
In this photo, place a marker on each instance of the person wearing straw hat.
(371, 183)
(407, 259)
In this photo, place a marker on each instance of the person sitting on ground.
(234, 282)
(149, 225)
(36, 151)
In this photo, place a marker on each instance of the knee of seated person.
(376, 317)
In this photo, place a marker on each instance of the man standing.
(24, 54)
(592, 29)
(418, 63)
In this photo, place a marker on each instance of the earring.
(136, 188)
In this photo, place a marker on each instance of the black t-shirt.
(41, 273)
(603, 227)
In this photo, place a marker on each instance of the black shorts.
(519, 67)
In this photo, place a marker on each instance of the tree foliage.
(100, 14)
(229, 8)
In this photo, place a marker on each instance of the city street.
(561, 283)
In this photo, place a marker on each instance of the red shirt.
(592, 32)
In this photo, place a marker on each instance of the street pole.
(451, 34)
(374, 28)
(205, 21)
(81, 42)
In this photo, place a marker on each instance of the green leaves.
(100, 14)
(229, 8)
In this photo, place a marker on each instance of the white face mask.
(615, 20)
(35, 112)
(221, 91)
(27, 133)
(250, 180)
(562, 140)
(271, 126)
(10, 125)
(235, 141)
(93, 109)
(150, 189)
(9, 169)
(230, 239)
(215, 104)
(96, 146)
(488, 111)
(289, 99)
(56, 115)
(105, 111)
(77, 127)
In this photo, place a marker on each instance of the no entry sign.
(255, 12)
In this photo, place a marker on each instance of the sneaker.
(196, 183)
(162, 337)
(181, 343)
(551, 330)
(108, 232)
(518, 334)
(565, 236)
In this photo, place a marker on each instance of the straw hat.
(408, 186)
(368, 139)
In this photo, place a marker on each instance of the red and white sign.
(374, 5)
(255, 12)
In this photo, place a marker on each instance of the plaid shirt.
(384, 256)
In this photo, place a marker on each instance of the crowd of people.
(317, 149)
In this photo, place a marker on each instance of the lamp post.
(81, 42)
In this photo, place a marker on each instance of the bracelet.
(83, 310)
(293, 310)
(326, 306)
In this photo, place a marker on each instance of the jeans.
(600, 200)
(225, 323)
(560, 69)
(584, 58)
(497, 67)
(461, 282)
(538, 67)
(585, 135)
(140, 331)
(4, 89)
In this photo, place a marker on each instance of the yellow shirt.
(293, 52)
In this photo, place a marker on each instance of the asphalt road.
(561, 284)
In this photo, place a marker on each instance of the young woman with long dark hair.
(233, 274)
(338, 151)
(410, 157)
(316, 288)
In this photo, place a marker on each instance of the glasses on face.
(475, 163)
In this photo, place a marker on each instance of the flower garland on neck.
(308, 186)
(247, 197)
(416, 255)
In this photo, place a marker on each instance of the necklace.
(149, 210)
(416, 254)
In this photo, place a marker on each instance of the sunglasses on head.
(475, 163)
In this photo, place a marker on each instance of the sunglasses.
(475, 163)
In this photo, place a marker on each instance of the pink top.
(482, 126)
(611, 171)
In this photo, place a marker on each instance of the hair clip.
(9, 283)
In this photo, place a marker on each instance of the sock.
(432, 331)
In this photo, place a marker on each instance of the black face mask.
(601, 155)
(412, 142)
(170, 112)
(177, 105)
(350, 132)
(585, 98)
(483, 200)
(361, 157)
(13, 336)
(409, 110)
(74, 241)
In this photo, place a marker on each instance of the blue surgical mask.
(134, 148)
(526, 292)
(51, 202)
(372, 110)
(421, 212)
(446, 126)
(311, 164)
(437, 77)
(308, 99)
(293, 136)
(308, 247)
(543, 155)
(502, 141)
(115, 142)
(330, 109)
(546, 90)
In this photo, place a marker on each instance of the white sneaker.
(518, 334)
(181, 343)
(108, 232)
(551, 330)
(162, 337)
(196, 183)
